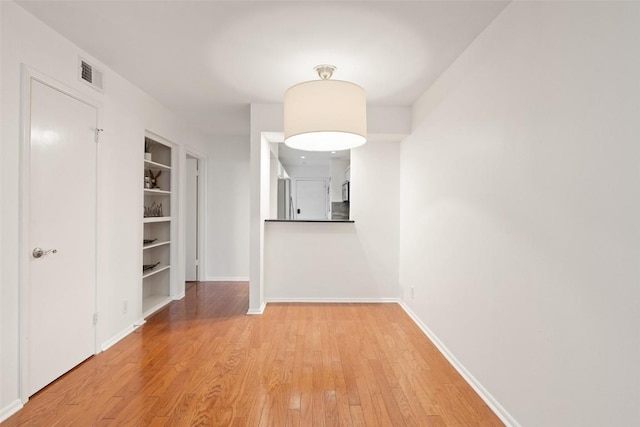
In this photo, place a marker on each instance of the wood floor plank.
(306, 392)
(203, 361)
(348, 369)
(293, 418)
(342, 401)
(385, 409)
(357, 417)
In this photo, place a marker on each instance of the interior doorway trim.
(202, 212)
(27, 75)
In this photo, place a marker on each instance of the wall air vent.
(91, 75)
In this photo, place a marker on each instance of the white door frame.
(202, 211)
(27, 75)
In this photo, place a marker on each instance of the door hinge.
(95, 318)
(98, 134)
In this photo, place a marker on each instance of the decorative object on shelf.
(148, 241)
(325, 115)
(154, 210)
(147, 182)
(153, 179)
(148, 146)
(147, 267)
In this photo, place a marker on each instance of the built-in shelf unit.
(158, 225)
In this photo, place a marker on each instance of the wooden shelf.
(156, 192)
(153, 303)
(155, 245)
(148, 164)
(156, 270)
(156, 219)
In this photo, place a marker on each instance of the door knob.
(39, 252)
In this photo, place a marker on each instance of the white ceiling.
(208, 60)
(290, 156)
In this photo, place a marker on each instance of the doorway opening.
(194, 219)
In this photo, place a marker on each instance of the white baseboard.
(179, 297)
(493, 404)
(120, 335)
(10, 409)
(333, 300)
(257, 311)
(227, 279)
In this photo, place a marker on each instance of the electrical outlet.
(412, 293)
(125, 307)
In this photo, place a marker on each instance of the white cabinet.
(158, 226)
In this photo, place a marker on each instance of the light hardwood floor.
(202, 361)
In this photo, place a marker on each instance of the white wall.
(394, 122)
(126, 113)
(228, 209)
(264, 118)
(308, 171)
(343, 261)
(274, 166)
(337, 167)
(6, 316)
(520, 206)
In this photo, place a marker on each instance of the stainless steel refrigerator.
(285, 200)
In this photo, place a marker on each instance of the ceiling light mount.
(325, 71)
(325, 115)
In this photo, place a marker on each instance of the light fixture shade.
(325, 115)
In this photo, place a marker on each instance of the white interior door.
(62, 221)
(311, 199)
(191, 223)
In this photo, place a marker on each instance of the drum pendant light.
(325, 115)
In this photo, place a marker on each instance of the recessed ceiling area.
(291, 157)
(208, 60)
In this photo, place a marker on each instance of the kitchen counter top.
(310, 220)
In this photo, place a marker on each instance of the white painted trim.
(10, 409)
(179, 297)
(139, 322)
(491, 402)
(28, 74)
(334, 300)
(120, 335)
(258, 311)
(227, 279)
